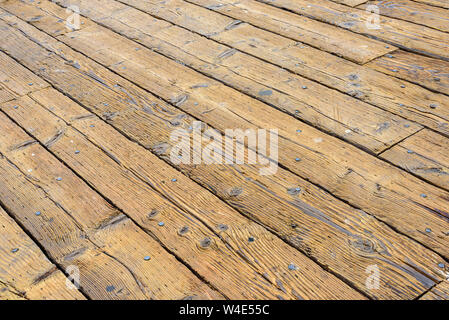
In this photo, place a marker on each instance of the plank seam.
(115, 207)
(258, 58)
(43, 250)
(424, 53)
(267, 228)
(398, 18)
(305, 178)
(146, 90)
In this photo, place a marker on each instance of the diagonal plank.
(359, 123)
(427, 72)
(403, 34)
(332, 39)
(25, 271)
(436, 3)
(127, 116)
(137, 160)
(411, 11)
(363, 83)
(16, 81)
(439, 292)
(212, 255)
(425, 154)
(78, 228)
(377, 190)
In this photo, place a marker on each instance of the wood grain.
(16, 81)
(386, 92)
(427, 72)
(82, 230)
(425, 154)
(230, 217)
(403, 34)
(25, 271)
(346, 117)
(440, 292)
(422, 14)
(320, 35)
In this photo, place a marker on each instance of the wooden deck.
(90, 192)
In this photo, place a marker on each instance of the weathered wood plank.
(346, 117)
(346, 44)
(136, 160)
(16, 81)
(440, 292)
(114, 175)
(25, 271)
(407, 100)
(54, 20)
(403, 34)
(436, 3)
(425, 154)
(107, 249)
(427, 72)
(422, 14)
(366, 176)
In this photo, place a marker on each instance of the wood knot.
(205, 243)
(234, 192)
(222, 227)
(153, 214)
(183, 230)
(363, 245)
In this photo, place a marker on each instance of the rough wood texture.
(363, 83)
(436, 3)
(427, 72)
(86, 167)
(236, 69)
(15, 80)
(425, 154)
(25, 272)
(408, 10)
(323, 36)
(440, 292)
(81, 229)
(397, 32)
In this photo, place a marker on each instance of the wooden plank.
(403, 34)
(16, 81)
(354, 121)
(413, 12)
(320, 35)
(220, 176)
(363, 83)
(204, 259)
(25, 271)
(440, 292)
(54, 20)
(427, 72)
(436, 3)
(137, 160)
(109, 252)
(97, 94)
(425, 154)
(375, 186)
